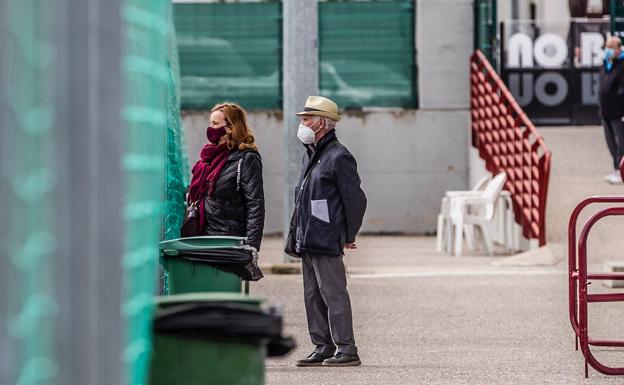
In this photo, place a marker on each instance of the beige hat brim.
(324, 114)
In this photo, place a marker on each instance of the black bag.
(289, 247)
(242, 260)
(235, 322)
(190, 227)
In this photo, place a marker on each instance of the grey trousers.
(327, 303)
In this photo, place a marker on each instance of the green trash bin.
(212, 338)
(185, 276)
(186, 272)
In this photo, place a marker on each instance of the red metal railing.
(508, 141)
(579, 280)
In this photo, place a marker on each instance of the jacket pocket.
(320, 210)
(321, 235)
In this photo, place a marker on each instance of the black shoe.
(342, 359)
(314, 359)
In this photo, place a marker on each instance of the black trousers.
(614, 134)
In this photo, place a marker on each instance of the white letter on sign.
(550, 50)
(591, 49)
(520, 52)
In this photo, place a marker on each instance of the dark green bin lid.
(175, 246)
(212, 297)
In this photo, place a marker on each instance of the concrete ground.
(421, 317)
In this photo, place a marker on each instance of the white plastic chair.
(504, 222)
(476, 210)
(443, 235)
(501, 224)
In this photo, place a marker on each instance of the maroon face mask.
(215, 134)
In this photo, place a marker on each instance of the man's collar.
(322, 143)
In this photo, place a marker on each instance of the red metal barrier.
(508, 141)
(579, 280)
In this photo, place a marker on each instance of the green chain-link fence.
(232, 51)
(150, 109)
(176, 166)
(29, 307)
(61, 186)
(366, 53)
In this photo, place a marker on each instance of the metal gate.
(580, 279)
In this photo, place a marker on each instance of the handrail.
(508, 141)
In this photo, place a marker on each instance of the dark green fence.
(366, 53)
(232, 51)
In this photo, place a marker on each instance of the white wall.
(444, 40)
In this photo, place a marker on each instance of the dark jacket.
(611, 92)
(237, 205)
(329, 203)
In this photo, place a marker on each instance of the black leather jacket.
(237, 205)
(329, 203)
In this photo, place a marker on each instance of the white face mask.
(306, 134)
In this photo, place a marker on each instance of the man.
(329, 209)
(611, 97)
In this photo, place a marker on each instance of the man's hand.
(351, 245)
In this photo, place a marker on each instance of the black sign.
(552, 69)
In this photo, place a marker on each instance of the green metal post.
(485, 27)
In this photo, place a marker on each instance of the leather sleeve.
(253, 192)
(351, 194)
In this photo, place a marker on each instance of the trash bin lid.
(212, 297)
(174, 246)
(223, 316)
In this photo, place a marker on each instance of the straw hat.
(320, 106)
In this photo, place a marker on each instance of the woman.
(227, 179)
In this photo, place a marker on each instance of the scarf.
(205, 174)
